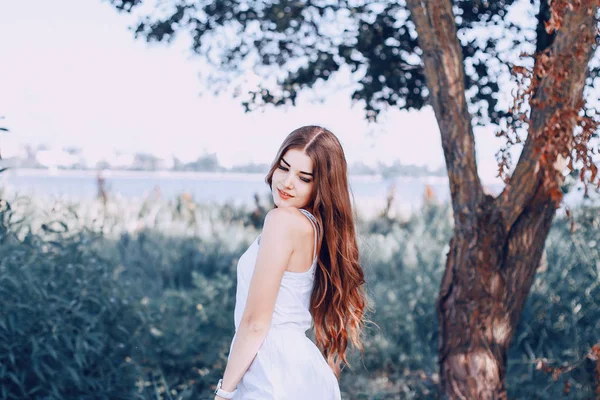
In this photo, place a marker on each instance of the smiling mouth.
(284, 195)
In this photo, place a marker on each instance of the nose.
(288, 181)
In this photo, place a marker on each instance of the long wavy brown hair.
(338, 299)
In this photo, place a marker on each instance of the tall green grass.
(135, 301)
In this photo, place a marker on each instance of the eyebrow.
(302, 172)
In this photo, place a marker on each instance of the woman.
(302, 271)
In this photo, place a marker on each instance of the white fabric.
(288, 365)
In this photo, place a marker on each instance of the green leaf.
(74, 376)
(51, 351)
(14, 378)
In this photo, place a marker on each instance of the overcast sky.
(73, 75)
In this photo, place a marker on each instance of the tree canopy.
(295, 44)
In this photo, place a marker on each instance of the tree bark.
(497, 242)
(485, 285)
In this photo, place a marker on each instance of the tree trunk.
(497, 242)
(487, 279)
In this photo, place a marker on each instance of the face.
(292, 180)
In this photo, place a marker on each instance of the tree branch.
(524, 248)
(444, 72)
(556, 100)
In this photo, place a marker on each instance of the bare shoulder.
(289, 221)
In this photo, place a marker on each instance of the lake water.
(368, 191)
(203, 187)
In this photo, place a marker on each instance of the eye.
(305, 180)
(283, 168)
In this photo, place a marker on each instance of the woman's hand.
(219, 398)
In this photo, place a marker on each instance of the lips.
(284, 195)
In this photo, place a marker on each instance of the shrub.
(66, 330)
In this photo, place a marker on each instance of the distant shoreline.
(167, 174)
(213, 176)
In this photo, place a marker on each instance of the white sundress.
(288, 365)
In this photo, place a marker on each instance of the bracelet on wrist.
(223, 393)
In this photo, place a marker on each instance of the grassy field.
(123, 300)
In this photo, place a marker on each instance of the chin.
(282, 203)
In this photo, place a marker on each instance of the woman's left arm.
(276, 247)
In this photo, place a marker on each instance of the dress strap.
(313, 222)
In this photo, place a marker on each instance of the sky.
(72, 74)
